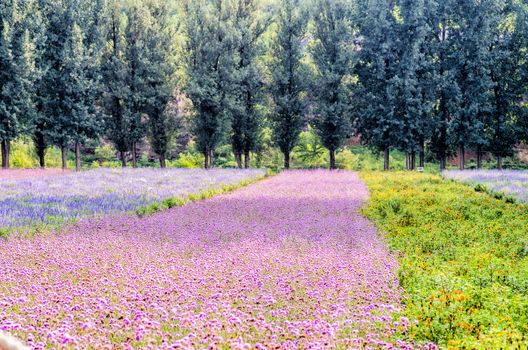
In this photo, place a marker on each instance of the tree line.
(423, 75)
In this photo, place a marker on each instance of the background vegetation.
(272, 82)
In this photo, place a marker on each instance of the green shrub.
(188, 160)
(480, 188)
(463, 259)
(22, 155)
(105, 153)
(309, 152)
(168, 203)
(498, 195)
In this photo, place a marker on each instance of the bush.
(188, 160)
(22, 155)
(105, 153)
(462, 258)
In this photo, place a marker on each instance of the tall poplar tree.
(48, 128)
(473, 58)
(411, 96)
(134, 37)
(69, 89)
(17, 73)
(80, 120)
(508, 50)
(522, 37)
(157, 74)
(246, 120)
(288, 82)
(210, 65)
(442, 21)
(116, 77)
(332, 55)
(376, 68)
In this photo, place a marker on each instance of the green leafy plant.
(463, 258)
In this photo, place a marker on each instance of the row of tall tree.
(443, 76)
(409, 75)
(73, 70)
(447, 74)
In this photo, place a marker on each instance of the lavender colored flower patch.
(510, 182)
(284, 263)
(54, 199)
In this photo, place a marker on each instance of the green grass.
(463, 258)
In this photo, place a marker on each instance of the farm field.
(34, 198)
(463, 258)
(287, 262)
(512, 183)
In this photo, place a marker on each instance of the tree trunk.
(134, 155)
(386, 159)
(211, 158)
(77, 156)
(206, 157)
(8, 153)
(6, 149)
(2, 151)
(461, 156)
(407, 161)
(246, 160)
(238, 157)
(122, 155)
(421, 154)
(479, 157)
(442, 159)
(332, 159)
(162, 162)
(63, 157)
(40, 146)
(443, 163)
(287, 160)
(413, 160)
(42, 161)
(499, 162)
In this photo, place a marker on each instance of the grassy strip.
(463, 258)
(172, 202)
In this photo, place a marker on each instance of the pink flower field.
(284, 263)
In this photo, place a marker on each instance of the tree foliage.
(331, 52)
(424, 76)
(17, 73)
(248, 78)
(210, 41)
(288, 72)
